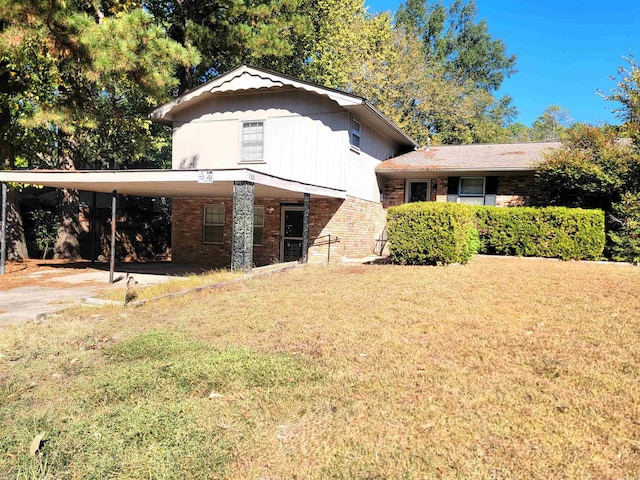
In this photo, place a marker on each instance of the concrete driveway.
(49, 287)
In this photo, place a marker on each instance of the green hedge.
(567, 233)
(434, 232)
(431, 233)
(624, 231)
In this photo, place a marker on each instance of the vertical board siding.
(306, 139)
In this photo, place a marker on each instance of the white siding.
(306, 139)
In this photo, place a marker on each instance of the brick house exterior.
(269, 168)
(494, 174)
(362, 155)
(353, 224)
(287, 129)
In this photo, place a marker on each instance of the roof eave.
(442, 170)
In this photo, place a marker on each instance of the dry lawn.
(20, 273)
(502, 368)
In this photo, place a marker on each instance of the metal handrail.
(328, 244)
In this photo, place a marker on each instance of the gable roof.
(503, 157)
(244, 78)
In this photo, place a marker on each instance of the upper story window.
(252, 142)
(471, 190)
(213, 224)
(355, 133)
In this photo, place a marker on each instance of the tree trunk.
(67, 244)
(16, 243)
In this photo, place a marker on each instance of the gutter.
(453, 169)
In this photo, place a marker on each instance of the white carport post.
(112, 264)
(3, 234)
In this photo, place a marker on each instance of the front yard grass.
(502, 368)
(172, 286)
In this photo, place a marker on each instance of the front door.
(291, 233)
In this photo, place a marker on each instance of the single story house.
(269, 168)
(485, 174)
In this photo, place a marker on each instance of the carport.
(242, 185)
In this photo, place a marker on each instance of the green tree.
(518, 133)
(370, 56)
(595, 168)
(627, 94)
(454, 38)
(591, 170)
(551, 125)
(93, 61)
(266, 33)
(470, 61)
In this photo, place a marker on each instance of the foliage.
(557, 232)
(431, 233)
(265, 33)
(551, 125)
(387, 64)
(453, 38)
(84, 69)
(592, 169)
(627, 94)
(42, 227)
(624, 234)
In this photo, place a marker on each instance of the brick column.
(242, 228)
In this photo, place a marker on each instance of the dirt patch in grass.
(30, 272)
(502, 368)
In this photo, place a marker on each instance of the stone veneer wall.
(355, 223)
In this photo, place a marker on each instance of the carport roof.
(169, 183)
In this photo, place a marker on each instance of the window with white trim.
(418, 191)
(213, 224)
(252, 141)
(258, 225)
(355, 133)
(471, 190)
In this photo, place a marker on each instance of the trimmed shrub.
(557, 232)
(429, 233)
(624, 236)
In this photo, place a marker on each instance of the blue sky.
(566, 51)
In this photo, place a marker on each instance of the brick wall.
(393, 193)
(440, 189)
(512, 191)
(357, 224)
(517, 191)
(353, 222)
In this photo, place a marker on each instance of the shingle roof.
(486, 157)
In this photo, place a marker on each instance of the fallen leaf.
(36, 443)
